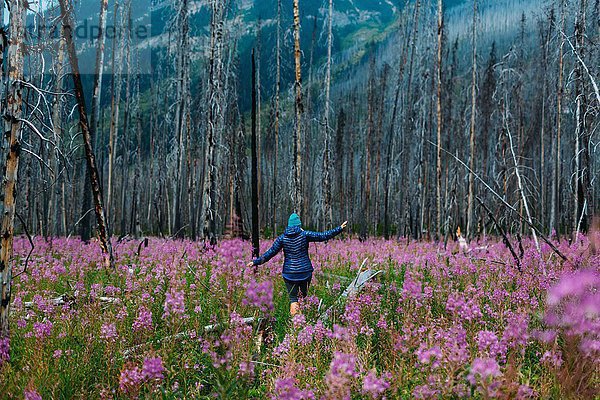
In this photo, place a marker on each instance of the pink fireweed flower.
(483, 370)
(411, 288)
(552, 359)
(130, 380)
(174, 303)
(42, 329)
(143, 322)
(31, 394)
(343, 364)
(516, 333)
(153, 368)
(375, 387)
(260, 295)
(108, 332)
(298, 321)
(285, 389)
(525, 392)
(489, 344)
(574, 307)
(429, 356)
(305, 336)
(4, 350)
(341, 372)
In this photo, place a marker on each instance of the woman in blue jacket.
(297, 268)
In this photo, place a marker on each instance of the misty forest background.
(402, 119)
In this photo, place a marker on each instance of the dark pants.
(297, 288)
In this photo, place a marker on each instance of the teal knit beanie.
(294, 220)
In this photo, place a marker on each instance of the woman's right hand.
(344, 224)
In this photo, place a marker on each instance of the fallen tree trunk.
(353, 289)
(188, 334)
(66, 299)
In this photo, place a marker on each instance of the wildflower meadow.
(182, 319)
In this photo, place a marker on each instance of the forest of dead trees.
(438, 120)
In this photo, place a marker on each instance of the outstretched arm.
(272, 252)
(323, 236)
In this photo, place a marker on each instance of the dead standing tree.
(13, 114)
(103, 234)
(471, 193)
(182, 110)
(298, 195)
(254, 151)
(440, 30)
(214, 124)
(327, 216)
(84, 229)
(277, 115)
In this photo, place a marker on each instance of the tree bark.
(277, 113)
(556, 147)
(255, 232)
(86, 222)
(14, 102)
(117, 66)
(53, 159)
(440, 30)
(298, 195)
(327, 216)
(470, 216)
(103, 233)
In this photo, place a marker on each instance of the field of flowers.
(168, 322)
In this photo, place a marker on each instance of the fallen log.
(65, 299)
(353, 289)
(188, 334)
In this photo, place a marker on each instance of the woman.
(297, 268)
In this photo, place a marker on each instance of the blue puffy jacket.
(294, 241)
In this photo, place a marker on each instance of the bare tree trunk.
(14, 101)
(86, 222)
(126, 120)
(103, 234)
(181, 110)
(556, 145)
(259, 152)
(580, 99)
(53, 160)
(298, 196)
(440, 28)
(255, 232)
(117, 66)
(214, 121)
(391, 147)
(277, 111)
(327, 216)
(518, 175)
(470, 216)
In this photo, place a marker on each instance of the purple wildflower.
(285, 389)
(483, 369)
(130, 380)
(4, 350)
(32, 394)
(373, 386)
(42, 329)
(174, 303)
(259, 295)
(143, 322)
(108, 332)
(153, 369)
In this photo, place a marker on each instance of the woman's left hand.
(250, 264)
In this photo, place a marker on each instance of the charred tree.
(103, 232)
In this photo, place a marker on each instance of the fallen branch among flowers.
(188, 335)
